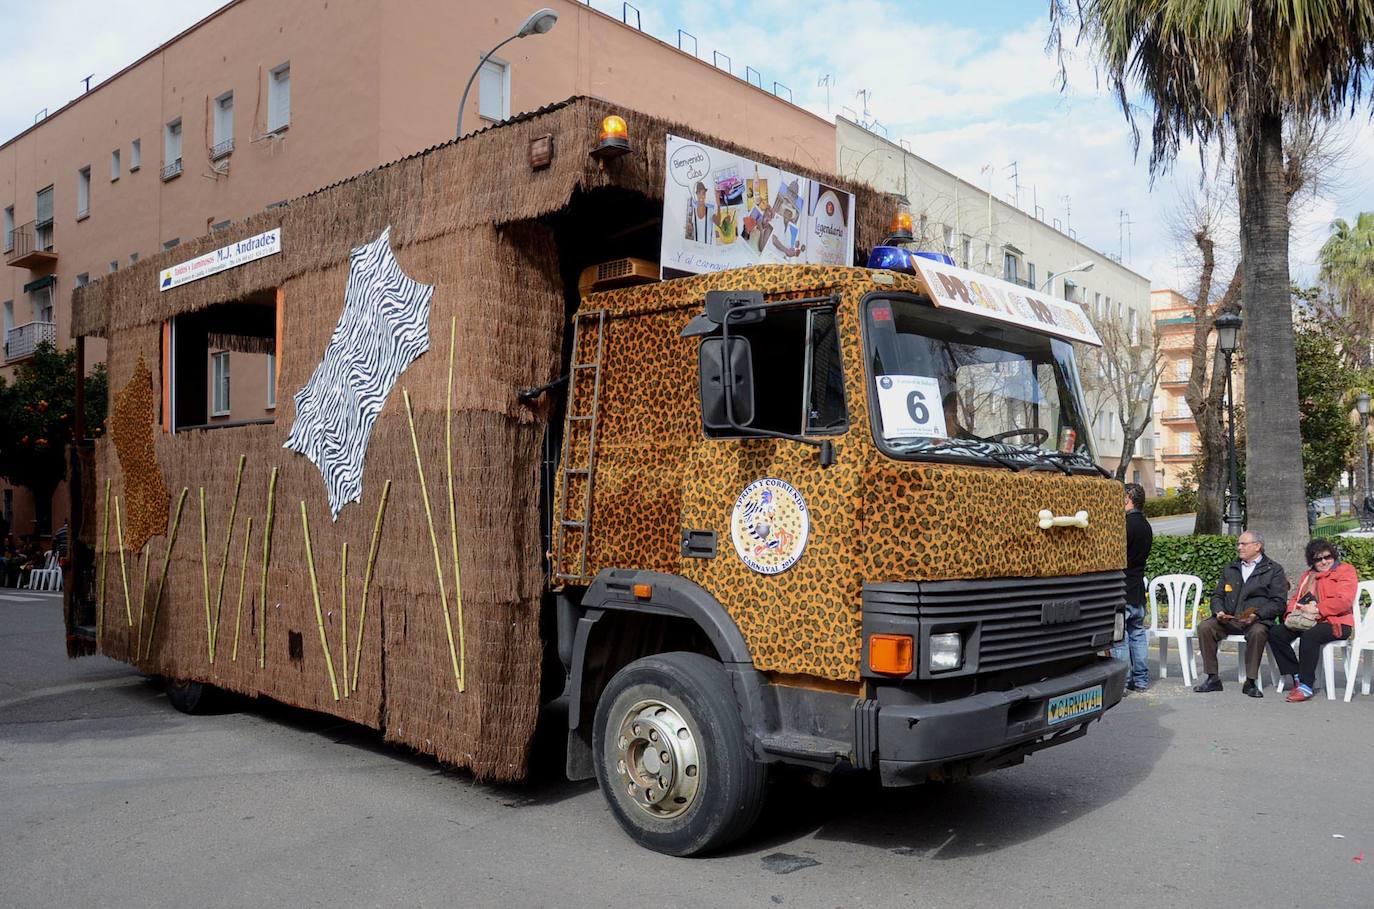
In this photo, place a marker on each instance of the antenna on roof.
(826, 82)
(87, 80)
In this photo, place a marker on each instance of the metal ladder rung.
(577, 524)
(576, 554)
(584, 366)
(579, 419)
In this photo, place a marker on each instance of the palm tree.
(1347, 267)
(1227, 72)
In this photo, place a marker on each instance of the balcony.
(222, 150)
(171, 171)
(23, 340)
(1177, 416)
(30, 245)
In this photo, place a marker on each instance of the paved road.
(1173, 525)
(108, 797)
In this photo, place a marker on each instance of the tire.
(189, 697)
(710, 790)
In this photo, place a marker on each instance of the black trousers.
(1211, 632)
(1281, 640)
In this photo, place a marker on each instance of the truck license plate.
(1070, 706)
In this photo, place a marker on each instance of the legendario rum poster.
(724, 211)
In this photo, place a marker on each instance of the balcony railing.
(23, 340)
(30, 245)
(1176, 415)
(221, 150)
(171, 170)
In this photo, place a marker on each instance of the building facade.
(986, 234)
(265, 100)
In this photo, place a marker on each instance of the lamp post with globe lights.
(1228, 341)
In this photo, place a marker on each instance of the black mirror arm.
(826, 446)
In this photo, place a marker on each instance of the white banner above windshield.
(991, 298)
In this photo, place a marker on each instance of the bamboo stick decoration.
(433, 540)
(123, 572)
(266, 556)
(243, 577)
(343, 611)
(205, 583)
(367, 582)
(162, 581)
(104, 563)
(228, 535)
(143, 591)
(452, 508)
(315, 593)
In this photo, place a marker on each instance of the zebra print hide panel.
(384, 326)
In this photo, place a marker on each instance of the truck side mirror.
(712, 364)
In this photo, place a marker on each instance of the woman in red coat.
(1326, 595)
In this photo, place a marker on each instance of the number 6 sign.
(911, 407)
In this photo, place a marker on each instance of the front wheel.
(189, 697)
(672, 757)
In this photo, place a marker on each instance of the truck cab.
(839, 518)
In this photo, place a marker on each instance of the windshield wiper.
(970, 445)
(1080, 459)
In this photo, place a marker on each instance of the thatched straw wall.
(465, 219)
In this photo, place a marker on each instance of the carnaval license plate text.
(1075, 704)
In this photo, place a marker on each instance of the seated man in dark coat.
(1248, 599)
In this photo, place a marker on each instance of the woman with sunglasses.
(1325, 597)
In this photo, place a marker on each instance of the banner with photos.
(724, 211)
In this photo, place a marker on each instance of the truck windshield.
(947, 385)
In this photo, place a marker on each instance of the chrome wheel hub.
(656, 759)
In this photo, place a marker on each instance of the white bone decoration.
(1049, 519)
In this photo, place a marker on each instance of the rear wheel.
(189, 697)
(672, 757)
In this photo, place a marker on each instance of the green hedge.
(1205, 556)
(1182, 502)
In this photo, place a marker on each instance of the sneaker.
(1251, 689)
(1299, 694)
(1211, 683)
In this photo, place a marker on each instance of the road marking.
(76, 686)
(30, 598)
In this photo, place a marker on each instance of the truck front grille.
(1010, 613)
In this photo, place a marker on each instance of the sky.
(968, 85)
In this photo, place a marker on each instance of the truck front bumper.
(995, 728)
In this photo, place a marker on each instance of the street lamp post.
(1228, 341)
(1081, 266)
(538, 23)
(1362, 406)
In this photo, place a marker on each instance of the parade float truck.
(840, 518)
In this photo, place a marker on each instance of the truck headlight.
(1119, 627)
(946, 651)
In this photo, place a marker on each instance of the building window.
(41, 301)
(1011, 268)
(1097, 305)
(114, 267)
(949, 240)
(135, 155)
(279, 98)
(1072, 292)
(114, 165)
(43, 227)
(271, 381)
(219, 226)
(967, 260)
(83, 279)
(83, 192)
(987, 255)
(1185, 443)
(133, 258)
(224, 126)
(493, 91)
(171, 150)
(921, 229)
(9, 318)
(171, 244)
(1030, 276)
(9, 227)
(1133, 326)
(219, 386)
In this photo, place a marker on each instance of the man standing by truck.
(1140, 538)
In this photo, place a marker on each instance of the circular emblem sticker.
(769, 525)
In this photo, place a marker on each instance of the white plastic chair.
(1361, 640)
(1182, 594)
(49, 577)
(1348, 646)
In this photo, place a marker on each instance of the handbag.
(1297, 620)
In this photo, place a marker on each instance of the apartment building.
(266, 100)
(986, 234)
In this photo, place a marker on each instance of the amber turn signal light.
(891, 654)
(614, 138)
(644, 591)
(901, 226)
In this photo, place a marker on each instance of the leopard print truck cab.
(872, 519)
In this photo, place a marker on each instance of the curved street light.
(538, 23)
(1081, 266)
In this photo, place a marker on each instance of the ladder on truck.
(578, 460)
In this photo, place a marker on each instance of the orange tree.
(37, 413)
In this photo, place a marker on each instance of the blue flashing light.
(897, 258)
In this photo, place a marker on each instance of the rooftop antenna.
(1068, 213)
(87, 80)
(826, 82)
(1123, 235)
(1015, 182)
(866, 94)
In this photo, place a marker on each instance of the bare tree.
(1124, 372)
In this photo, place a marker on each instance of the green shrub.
(1182, 502)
